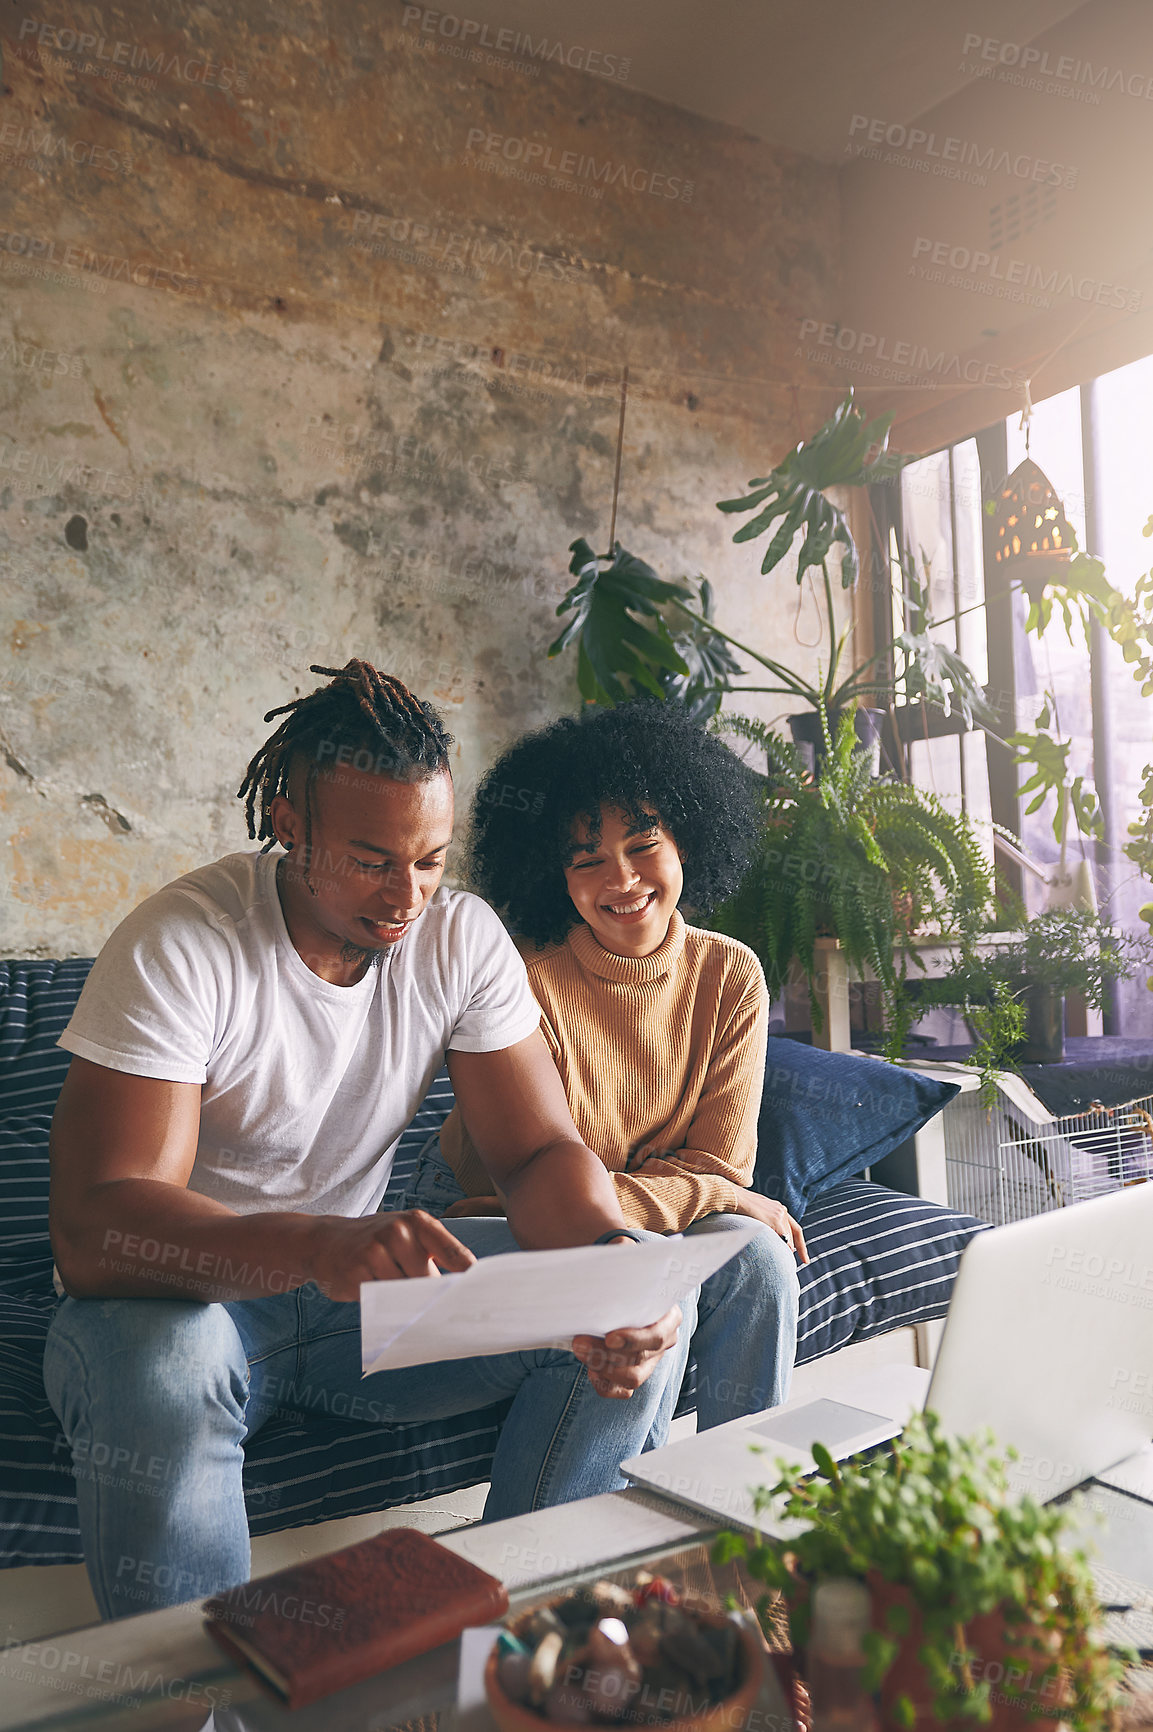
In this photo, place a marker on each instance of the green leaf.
(845, 452)
(710, 662)
(1049, 758)
(582, 556)
(618, 652)
(588, 685)
(826, 1466)
(760, 492)
(897, 1618)
(783, 539)
(928, 668)
(1082, 591)
(728, 1546)
(880, 1652)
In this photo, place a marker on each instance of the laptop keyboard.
(1114, 1589)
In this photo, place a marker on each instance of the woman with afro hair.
(588, 836)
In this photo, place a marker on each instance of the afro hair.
(645, 758)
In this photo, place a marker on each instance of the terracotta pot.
(997, 1661)
(729, 1715)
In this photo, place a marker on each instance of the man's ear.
(286, 821)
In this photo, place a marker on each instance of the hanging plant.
(622, 639)
(1048, 757)
(925, 669)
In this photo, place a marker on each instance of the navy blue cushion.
(36, 1001)
(826, 1116)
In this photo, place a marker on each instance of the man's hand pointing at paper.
(413, 1244)
(554, 1189)
(382, 1247)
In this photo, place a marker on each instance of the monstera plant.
(635, 631)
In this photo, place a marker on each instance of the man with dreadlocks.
(248, 1048)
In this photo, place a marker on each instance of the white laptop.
(1048, 1343)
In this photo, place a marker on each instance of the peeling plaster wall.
(288, 374)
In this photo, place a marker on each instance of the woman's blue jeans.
(745, 1338)
(157, 1397)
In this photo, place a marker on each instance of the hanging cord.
(797, 413)
(620, 452)
(797, 638)
(1054, 352)
(1025, 424)
(1026, 384)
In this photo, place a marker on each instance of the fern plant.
(845, 856)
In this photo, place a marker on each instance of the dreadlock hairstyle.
(363, 719)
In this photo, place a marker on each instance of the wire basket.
(1019, 1159)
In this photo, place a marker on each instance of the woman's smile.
(625, 881)
(639, 906)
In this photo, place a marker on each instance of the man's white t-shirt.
(306, 1086)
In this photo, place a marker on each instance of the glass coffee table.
(162, 1672)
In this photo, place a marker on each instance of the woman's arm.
(712, 1172)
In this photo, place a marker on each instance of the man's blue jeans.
(166, 1391)
(745, 1337)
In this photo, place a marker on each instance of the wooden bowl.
(731, 1714)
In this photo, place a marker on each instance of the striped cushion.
(296, 1471)
(36, 1000)
(435, 1108)
(879, 1259)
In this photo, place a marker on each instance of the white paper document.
(473, 1713)
(523, 1300)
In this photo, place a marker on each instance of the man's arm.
(125, 1225)
(555, 1189)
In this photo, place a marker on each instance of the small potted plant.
(979, 1616)
(1060, 951)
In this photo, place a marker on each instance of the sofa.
(882, 1261)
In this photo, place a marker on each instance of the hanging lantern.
(1033, 537)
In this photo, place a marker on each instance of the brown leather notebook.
(321, 1626)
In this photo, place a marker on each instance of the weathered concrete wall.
(293, 366)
